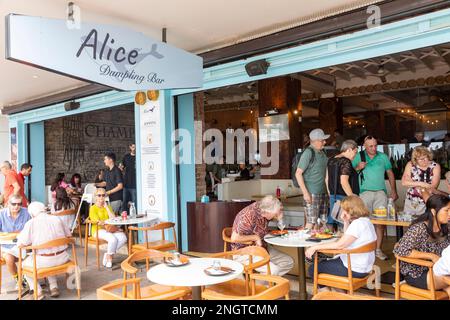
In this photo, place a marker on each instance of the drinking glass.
(281, 224)
(176, 256)
(216, 265)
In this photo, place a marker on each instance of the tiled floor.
(92, 278)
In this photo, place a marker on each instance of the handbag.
(336, 210)
(111, 228)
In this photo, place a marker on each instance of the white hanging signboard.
(112, 56)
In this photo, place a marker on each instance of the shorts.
(420, 282)
(14, 251)
(319, 208)
(414, 212)
(374, 199)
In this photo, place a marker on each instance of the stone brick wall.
(200, 169)
(76, 144)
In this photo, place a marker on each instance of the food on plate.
(380, 212)
(322, 233)
(278, 232)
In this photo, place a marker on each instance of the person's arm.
(302, 165)
(115, 189)
(236, 237)
(24, 237)
(423, 255)
(344, 179)
(326, 181)
(101, 184)
(16, 187)
(391, 178)
(344, 242)
(436, 177)
(109, 211)
(408, 182)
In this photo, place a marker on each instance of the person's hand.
(361, 166)
(309, 253)
(307, 197)
(424, 185)
(259, 242)
(393, 195)
(434, 257)
(101, 223)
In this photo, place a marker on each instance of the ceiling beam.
(443, 54)
(419, 57)
(407, 66)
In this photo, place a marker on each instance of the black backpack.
(295, 162)
(362, 155)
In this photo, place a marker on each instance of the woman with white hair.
(100, 212)
(251, 224)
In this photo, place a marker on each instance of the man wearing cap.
(40, 229)
(372, 184)
(13, 219)
(310, 175)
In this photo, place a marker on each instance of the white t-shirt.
(364, 232)
(442, 266)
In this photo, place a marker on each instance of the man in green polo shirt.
(311, 178)
(372, 184)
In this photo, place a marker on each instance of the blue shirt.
(8, 224)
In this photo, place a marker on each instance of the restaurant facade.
(177, 109)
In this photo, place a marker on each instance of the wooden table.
(193, 275)
(389, 222)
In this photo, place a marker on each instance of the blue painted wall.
(37, 159)
(187, 170)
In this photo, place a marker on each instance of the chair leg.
(377, 292)
(78, 280)
(79, 234)
(85, 253)
(0, 279)
(98, 256)
(35, 293)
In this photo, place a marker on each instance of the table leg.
(196, 293)
(399, 230)
(301, 273)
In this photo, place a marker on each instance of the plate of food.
(380, 212)
(322, 234)
(278, 232)
(173, 262)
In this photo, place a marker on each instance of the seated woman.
(75, 183)
(358, 231)
(421, 175)
(99, 212)
(63, 202)
(426, 238)
(59, 183)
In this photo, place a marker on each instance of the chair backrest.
(148, 254)
(279, 288)
(51, 244)
(162, 226)
(90, 188)
(343, 296)
(226, 237)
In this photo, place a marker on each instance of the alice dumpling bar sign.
(113, 56)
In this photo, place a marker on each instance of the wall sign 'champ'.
(113, 56)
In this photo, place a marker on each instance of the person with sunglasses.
(371, 166)
(13, 219)
(100, 212)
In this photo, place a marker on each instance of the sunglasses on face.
(16, 204)
(101, 195)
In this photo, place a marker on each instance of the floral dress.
(419, 175)
(417, 238)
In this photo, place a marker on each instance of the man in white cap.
(39, 230)
(310, 175)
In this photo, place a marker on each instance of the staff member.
(113, 182)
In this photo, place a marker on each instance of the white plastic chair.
(88, 196)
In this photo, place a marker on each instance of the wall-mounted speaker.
(256, 68)
(72, 105)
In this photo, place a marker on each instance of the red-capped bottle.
(278, 192)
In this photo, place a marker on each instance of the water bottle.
(391, 209)
(132, 210)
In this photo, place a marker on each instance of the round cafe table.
(193, 275)
(300, 244)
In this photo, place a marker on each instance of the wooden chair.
(129, 270)
(39, 273)
(92, 239)
(2, 262)
(237, 287)
(161, 245)
(279, 288)
(413, 293)
(226, 236)
(70, 212)
(105, 292)
(346, 283)
(343, 296)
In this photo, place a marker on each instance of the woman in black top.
(341, 178)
